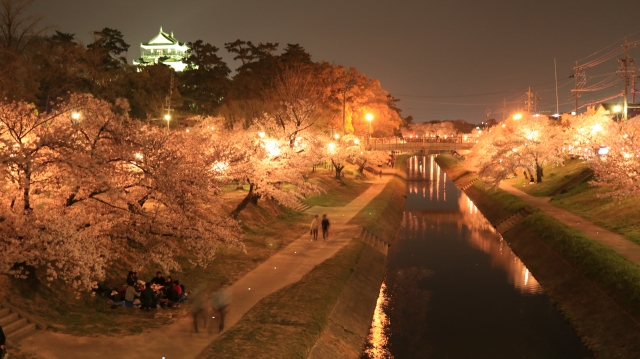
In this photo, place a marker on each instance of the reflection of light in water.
(377, 336)
(483, 236)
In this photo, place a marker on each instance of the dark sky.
(432, 54)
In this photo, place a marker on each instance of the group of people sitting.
(159, 292)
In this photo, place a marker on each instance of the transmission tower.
(529, 101)
(581, 79)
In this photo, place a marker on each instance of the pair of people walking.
(316, 223)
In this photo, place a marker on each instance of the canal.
(454, 289)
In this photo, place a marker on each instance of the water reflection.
(451, 277)
(377, 340)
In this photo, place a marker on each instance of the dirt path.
(617, 242)
(178, 340)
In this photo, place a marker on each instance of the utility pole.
(555, 71)
(529, 101)
(581, 80)
(347, 85)
(633, 88)
(486, 118)
(627, 71)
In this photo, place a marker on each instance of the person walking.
(198, 310)
(315, 224)
(221, 302)
(325, 227)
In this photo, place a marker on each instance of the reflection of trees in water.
(408, 308)
(376, 347)
(481, 234)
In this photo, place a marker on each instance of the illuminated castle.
(165, 49)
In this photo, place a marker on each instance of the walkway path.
(178, 341)
(618, 243)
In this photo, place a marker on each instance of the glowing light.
(332, 146)
(272, 148)
(617, 109)
(139, 156)
(167, 117)
(603, 151)
(75, 115)
(515, 149)
(573, 113)
(517, 116)
(596, 128)
(503, 125)
(220, 166)
(369, 117)
(336, 136)
(261, 134)
(356, 141)
(187, 130)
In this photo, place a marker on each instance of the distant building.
(615, 109)
(164, 49)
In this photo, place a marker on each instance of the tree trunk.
(538, 173)
(361, 168)
(251, 197)
(338, 168)
(27, 188)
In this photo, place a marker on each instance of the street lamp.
(75, 116)
(167, 118)
(336, 136)
(369, 118)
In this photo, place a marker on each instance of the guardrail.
(415, 146)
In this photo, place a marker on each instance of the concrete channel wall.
(346, 332)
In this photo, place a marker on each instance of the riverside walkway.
(617, 242)
(178, 340)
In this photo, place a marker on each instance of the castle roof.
(163, 39)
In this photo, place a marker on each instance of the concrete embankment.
(346, 331)
(599, 307)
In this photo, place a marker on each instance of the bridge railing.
(416, 146)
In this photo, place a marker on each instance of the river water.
(454, 289)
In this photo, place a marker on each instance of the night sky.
(446, 59)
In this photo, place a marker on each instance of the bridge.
(390, 145)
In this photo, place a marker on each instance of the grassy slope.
(286, 324)
(582, 200)
(609, 270)
(383, 214)
(620, 217)
(554, 178)
(338, 192)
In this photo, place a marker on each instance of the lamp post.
(369, 118)
(167, 118)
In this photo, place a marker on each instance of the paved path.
(178, 341)
(618, 243)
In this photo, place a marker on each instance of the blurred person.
(315, 224)
(325, 227)
(221, 302)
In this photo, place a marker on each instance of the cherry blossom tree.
(84, 183)
(525, 144)
(617, 167)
